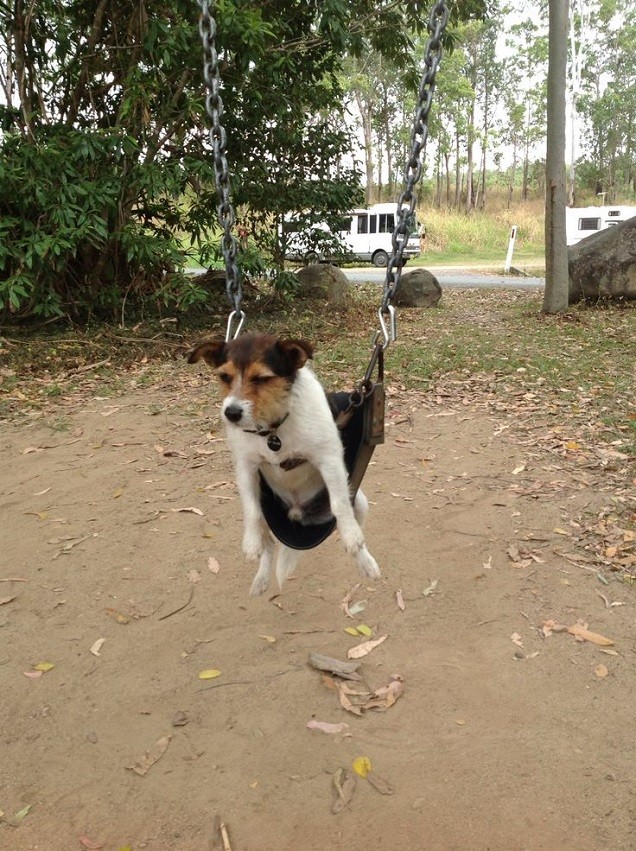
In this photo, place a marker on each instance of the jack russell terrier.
(280, 425)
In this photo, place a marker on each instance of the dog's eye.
(261, 379)
(225, 377)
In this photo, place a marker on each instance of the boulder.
(419, 288)
(603, 265)
(324, 281)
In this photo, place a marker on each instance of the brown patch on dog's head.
(256, 371)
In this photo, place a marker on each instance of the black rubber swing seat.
(359, 435)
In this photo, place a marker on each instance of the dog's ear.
(296, 352)
(213, 353)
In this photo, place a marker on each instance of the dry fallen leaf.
(344, 603)
(345, 692)
(516, 639)
(213, 565)
(384, 697)
(5, 600)
(600, 670)
(399, 599)
(583, 634)
(152, 756)
(428, 592)
(97, 646)
(123, 619)
(345, 783)
(380, 784)
(190, 510)
(361, 650)
(326, 727)
(85, 842)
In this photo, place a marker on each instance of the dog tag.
(274, 442)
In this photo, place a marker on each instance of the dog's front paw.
(367, 565)
(352, 538)
(253, 544)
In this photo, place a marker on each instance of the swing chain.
(218, 141)
(437, 22)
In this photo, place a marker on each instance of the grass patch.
(585, 357)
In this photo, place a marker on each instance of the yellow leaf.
(117, 493)
(572, 445)
(43, 666)
(269, 638)
(361, 765)
(351, 630)
(210, 674)
(363, 629)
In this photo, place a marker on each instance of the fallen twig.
(174, 611)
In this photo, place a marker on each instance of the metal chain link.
(437, 22)
(218, 141)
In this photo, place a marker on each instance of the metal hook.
(389, 329)
(230, 322)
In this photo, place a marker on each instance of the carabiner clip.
(230, 322)
(389, 328)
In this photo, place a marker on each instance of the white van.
(584, 221)
(366, 234)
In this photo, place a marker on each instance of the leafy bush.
(85, 223)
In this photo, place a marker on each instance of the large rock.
(324, 281)
(603, 265)
(418, 288)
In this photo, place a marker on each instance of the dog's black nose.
(234, 413)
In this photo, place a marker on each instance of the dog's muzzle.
(234, 413)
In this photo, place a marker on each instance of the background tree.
(104, 154)
(555, 297)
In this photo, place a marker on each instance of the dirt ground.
(121, 566)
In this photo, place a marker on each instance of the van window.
(373, 224)
(363, 223)
(344, 225)
(387, 222)
(589, 224)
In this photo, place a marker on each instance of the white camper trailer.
(366, 233)
(584, 221)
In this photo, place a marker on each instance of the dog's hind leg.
(286, 563)
(260, 583)
(361, 508)
(367, 565)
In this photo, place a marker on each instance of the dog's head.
(255, 373)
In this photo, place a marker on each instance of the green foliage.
(105, 159)
(67, 247)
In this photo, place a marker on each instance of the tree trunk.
(555, 297)
(365, 116)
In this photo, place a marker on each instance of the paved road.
(449, 277)
(446, 275)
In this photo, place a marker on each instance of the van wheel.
(380, 259)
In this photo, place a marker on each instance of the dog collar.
(273, 440)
